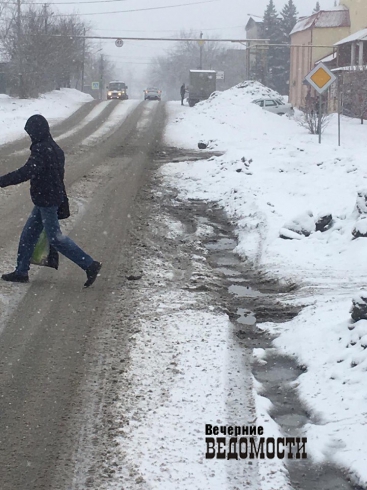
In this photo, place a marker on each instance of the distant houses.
(256, 59)
(337, 38)
(311, 40)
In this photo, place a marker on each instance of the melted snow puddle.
(277, 376)
(246, 317)
(228, 261)
(228, 272)
(221, 244)
(244, 291)
(276, 373)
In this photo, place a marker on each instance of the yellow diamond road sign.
(320, 78)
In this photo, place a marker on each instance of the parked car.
(152, 93)
(277, 106)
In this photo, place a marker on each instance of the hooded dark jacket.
(44, 168)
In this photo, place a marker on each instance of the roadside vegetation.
(37, 61)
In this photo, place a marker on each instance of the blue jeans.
(46, 218)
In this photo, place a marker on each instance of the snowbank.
(55, 106)
(271, 174)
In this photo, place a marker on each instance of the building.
(349, 63)
(357, 14)
(256, 52)
(254, 29)
(312, 39)
(317, 37)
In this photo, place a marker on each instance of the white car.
(277, 106)
(152, 93)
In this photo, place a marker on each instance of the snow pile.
(358, 310)
(334, 386)
(247, 91)
(291, 176)
(360, 229)
(303, 224)
(55, 106)
(225, 119)
(272, 173)
(361, 204)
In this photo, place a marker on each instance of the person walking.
(183, 92)
(45, 169)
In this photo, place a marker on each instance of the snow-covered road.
(165, 358)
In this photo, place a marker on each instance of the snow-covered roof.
(253, 21)
(357, 36)
(351, 68)
(324, 19)
(328, 58)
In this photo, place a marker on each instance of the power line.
(137, 10)
(173, 30)
(176, 39)
(127, 58)
(137, 62)
(64, 3)
(71, 3)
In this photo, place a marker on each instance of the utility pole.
(101, 76)
(201, 51)
(45, 15)
(83, 62)
(248, 62)
(20, 54)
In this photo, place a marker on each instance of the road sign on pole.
(119, 43)
(320, 78)
(95, 85)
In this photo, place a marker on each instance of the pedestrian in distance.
(183, 92)
(45, 170)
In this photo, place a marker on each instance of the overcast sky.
(223, 18)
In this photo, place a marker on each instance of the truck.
(202, 84)
(117, 90)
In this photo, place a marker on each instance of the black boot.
(15, 277)
(92, 273)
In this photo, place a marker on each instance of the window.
(117, 86)
(270, 103)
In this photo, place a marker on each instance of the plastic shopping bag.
(44, 254)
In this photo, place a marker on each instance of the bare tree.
(310, 120)
(310, 116)
(48, 49)
(7, 19)
(93, 69)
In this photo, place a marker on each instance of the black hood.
(37, 127)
